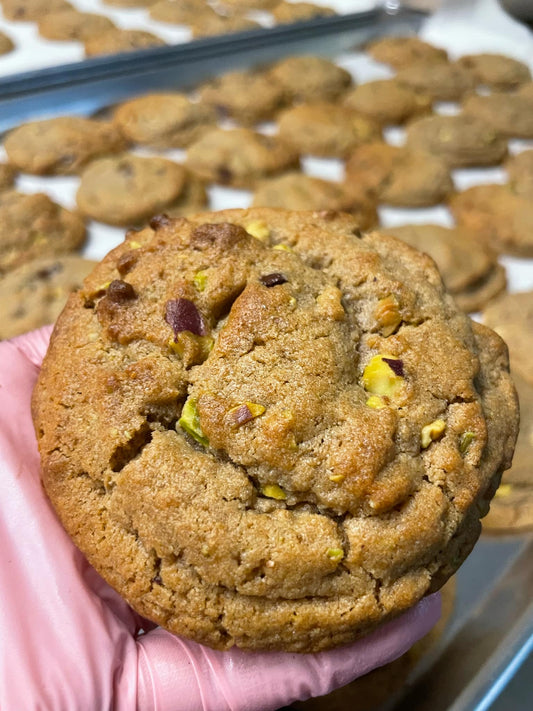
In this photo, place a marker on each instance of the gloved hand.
(68, 642)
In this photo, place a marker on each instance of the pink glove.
(68, 641)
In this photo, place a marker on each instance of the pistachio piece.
(387, 315)
(503, 490)
(377, 402)
(329, 302)
(465, 441)
(282, 247)
(200, 280)
(431, 432)
(134, 245)
(258, 229)
(337, 478)
(241, 414)
(335, 554)
(183, 315)
(190, 422)
(273, 491)
(384, 375)
(193, 349)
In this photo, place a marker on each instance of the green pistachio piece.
(273, 491)
(190, 422)
(465, 441)
(335, 554)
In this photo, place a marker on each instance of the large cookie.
(166, 120)
(510, 115)
(496, 70)
(276, 444)
(61, 146)
(73, 25)
(398, 176)
(239, 157)
(461, 141)
(500, 218)
(401, 52)
(311, 78)
(520, 171)
(442, 81)
(387, 102)
(34, 294)
(117, 40)
(33, 226)
(127, 189)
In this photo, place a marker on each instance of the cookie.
(297, 191)
(325, 129)
(509, 115)
(193, 198)
(501, 219)
(129, 3)
(117, 41)
(387, 102)
(207, 25)
(526, 90)
(398, 176)
(512, 317)
(6, 44)
(258, 452)
(165, 120)
(496, 70)
(244, 5)
(441, 81)
(461, 141)
(73, 25)
(287, 12)
(400, 52)
(32, 10)
(127, 189)
(520, 171)
(32, 226)
(469, 270)
(179, 13)
(310, 78)
(35, 293)
(239, 157)
(512, 506)
(248, 97)
(7, 176)
(61, 146)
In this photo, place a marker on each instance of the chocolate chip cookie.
(33, 226)
(179, 12)
(248, 97)
(61, 146)
(441, 81)
(400, 52)
(6, 44)
(73, 25)
(297, 191)
(510, 115)
(500, 218)
(32, 10)
(469, 269)
(461, 141)
(520, 171)
(387, 102)
(325, 129)
(239, 157)
(165, 120)
(118, 40)
(399, 176)
(287, 439)
(127, 189)
(7, 176)
(311, 78)
(287, 12)
(35, 293)
(207, 24)
(496, 70)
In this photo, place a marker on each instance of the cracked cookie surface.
(273, 431)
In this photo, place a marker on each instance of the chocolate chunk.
(273, 279)
(126, 262)
(120, 291)
(396, 365)
(183, 315)
(224, 175)
(159, 221)
(224, 235)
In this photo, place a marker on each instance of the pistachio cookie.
(33, 226)
(399, 176)
(61, 146)
(297, 191)
(274, 442)
(520, 171)
(461, 141)
(400, 52)
(441, 81)
(73, 25)
(310, 78)
(239, 157)
(499, 217)
(117, 40)
(165, 120)
(496, 70)
(510, 115)
(127, 189)
(34, 294)
(387, 102)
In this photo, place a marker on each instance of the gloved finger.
(178, 675)
(33, 345)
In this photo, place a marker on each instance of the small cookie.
(512, 317)
(400, 52)
(501, 219)
(127, 189)
(179, 12)
(207, 25)
(73, 25)
(461, 141)
(510, 115)
(296, 191)
(218, 414)
(32, 10)
(117, 41)
(6, 44)
(325, 129)
(7, 176)
(192, 199)
(520, 171)
(387, 102)
(310, 78)
(239, 157)
(61, 146)
(248, 97)
(399, 176)
(33, 226)
(35, 293)
(496, 70)
(165, 120)
(469, 270)
(441, 81)
(287, 12)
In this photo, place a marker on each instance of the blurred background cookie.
(310, 78)
(400, 52)
(496, 71)
(387, 102)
